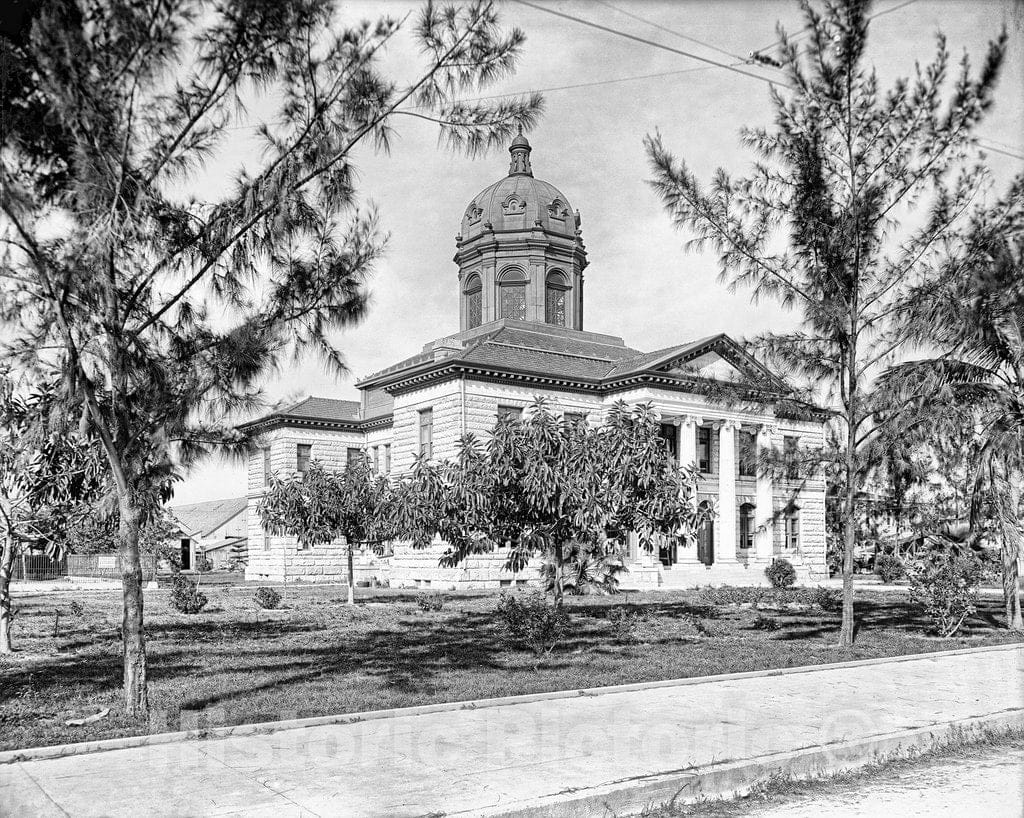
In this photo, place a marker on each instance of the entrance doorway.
(667, 553)
(706, 538)
(186, 554)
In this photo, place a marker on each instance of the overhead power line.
(652, 43)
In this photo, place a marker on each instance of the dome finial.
(520, 150)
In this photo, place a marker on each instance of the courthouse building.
(519, 282)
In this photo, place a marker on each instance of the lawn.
(231, 664)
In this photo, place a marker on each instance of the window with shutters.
(427, 433)
(303, 453)
(704, 449)
(266, 466)
(747, 525)
(792, 527)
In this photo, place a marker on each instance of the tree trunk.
(134, 639)
(351, 575)
(1010, 554)
(849, 504)
(6, 570)
(558, 575)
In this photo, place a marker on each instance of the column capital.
(729, 424)
(688, 420)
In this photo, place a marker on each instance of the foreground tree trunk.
(132, 632)
(351, 574)
(6, 571)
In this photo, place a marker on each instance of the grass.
(840, 787)
(232, 664)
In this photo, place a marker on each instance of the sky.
(641, 283)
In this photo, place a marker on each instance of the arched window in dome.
(512, 291)
(474, 301)
(556, 288)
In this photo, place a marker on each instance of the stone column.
(725, 547)
(764, 536)
(686, 440)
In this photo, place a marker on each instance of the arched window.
(474, 302)
(706, 537)
(747, 525)
(512, 291)
(556, 287)
(792, 528)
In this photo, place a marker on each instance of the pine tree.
(165, 308)
(825, 224)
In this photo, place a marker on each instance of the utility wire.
(673, 32)
(652, 43)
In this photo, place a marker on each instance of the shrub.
(430, 602)
(889, 568)
(766, 623)
(202, 564)
(267, 598)
(781, 574)
(825, 598)
(630, 626)
(186, 597)
(946, 586)
(530, 621)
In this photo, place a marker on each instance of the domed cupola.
(520, 251)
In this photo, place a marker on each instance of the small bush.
(203, 564)
(430, 602)
(267, 598)
(946, 586)
(528, 620)
(766, 623)
(825, 598)
(185, 596)
(889, 568)
(630, 626)
(781, 574)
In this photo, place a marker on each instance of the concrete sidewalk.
(576, 755)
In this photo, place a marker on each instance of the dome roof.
(518, 202)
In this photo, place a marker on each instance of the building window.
(353, 455)
(556, 286)
(747, 525)
(704, 449)
(474, 301)
(303, 452)
(266, 540)
(792, 528)
(513, 301)
(789, 451)
(572, 418)
(748, 454)
(387, 458)
(427, 433)
(266, 466)
(376, 459)
(509, 412)
(669, 434)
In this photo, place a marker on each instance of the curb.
(737, 778)
(262, 728)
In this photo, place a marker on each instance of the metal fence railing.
(106, 566)
(38, 566)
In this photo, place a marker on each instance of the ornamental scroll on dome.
(558, 210)
(513, 206)
(473, 213)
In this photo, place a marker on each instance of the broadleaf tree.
(50, 480)
(564, 490)
(320, 506)
(166, 297)
(855, 194)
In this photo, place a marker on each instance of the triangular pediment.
(710, 365)
(720, 359)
